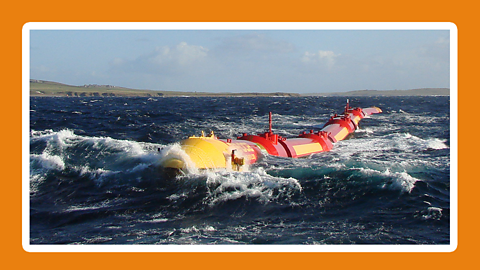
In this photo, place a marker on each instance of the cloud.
(437, 51)
(423, 65)
(257, 62)
(172, 60)
(186, 66)
(255, 43)
(182, 54)
(118, 61)
(323, 58)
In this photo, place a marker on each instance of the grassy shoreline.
(40, 88)
(54, 89)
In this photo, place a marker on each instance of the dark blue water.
(94, 176)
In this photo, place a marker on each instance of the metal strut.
(270, 122)
(347, 107)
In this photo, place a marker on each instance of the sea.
(95, 179)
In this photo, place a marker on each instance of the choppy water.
(94, 175)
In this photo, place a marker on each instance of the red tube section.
(337, 128)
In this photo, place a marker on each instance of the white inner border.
(240, 26)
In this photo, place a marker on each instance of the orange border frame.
(18, 13)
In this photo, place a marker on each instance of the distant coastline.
(410, 92)
(54, 89)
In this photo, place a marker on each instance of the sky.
(294, 61)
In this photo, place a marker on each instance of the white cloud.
(324, 58)
(118, 61)
(182, 54)
(256, 43)
(176, 59)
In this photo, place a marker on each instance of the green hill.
(55, 89)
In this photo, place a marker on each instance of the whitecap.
(433, 213)
(98, 157)
(436, 144)
(396, 180)
(258, 185)
(175, 151)
(47, 162)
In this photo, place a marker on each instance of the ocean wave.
(396, 180)
(223, 186)
(100, 158)
(393, 143)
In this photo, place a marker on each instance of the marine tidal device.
(210, 152)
